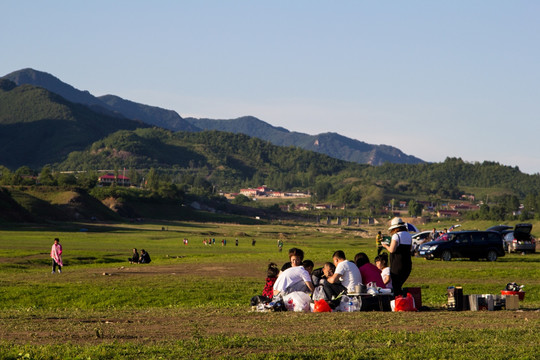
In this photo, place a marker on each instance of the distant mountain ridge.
(153, 115)
(332, 144)
(108, 104)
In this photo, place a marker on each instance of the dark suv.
(464, 244)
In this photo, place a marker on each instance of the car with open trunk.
(519, 239)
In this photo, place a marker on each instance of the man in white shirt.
(345, 277)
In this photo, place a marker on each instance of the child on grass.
(271, 277)
(268, 291)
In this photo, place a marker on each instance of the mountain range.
(122, 110)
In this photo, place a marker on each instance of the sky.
(435, 79)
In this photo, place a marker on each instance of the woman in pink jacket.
(56, 255)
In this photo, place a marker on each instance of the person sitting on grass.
(370, 273)
(318, 275)
(381, 262)
(268, 291)
(145, 257)
(271, 277)
(295, 278)
(308, 265)
(344, 279)
(134, 258)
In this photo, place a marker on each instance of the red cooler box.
(416, 293)
(521, 294)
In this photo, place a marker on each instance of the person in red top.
(370, 273)
(271, 277)
(56, 255)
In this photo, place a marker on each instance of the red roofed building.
(109, 179)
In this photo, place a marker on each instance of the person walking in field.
(56, 255)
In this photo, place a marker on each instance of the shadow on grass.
(82, 260)
(529, 258)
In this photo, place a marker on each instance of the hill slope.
(38, 127)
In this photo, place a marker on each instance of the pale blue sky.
(435, 79)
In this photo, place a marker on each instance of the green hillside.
(218, 156)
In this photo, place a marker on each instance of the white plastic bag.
(297, 301)
(318, 293)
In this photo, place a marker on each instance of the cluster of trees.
(509, 207)
(447, 177)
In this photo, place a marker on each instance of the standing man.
(345, 277)
(56, 255)
(433, 235)
(378, 243)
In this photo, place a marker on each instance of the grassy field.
(193, 301)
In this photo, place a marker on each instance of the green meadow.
(193, 301)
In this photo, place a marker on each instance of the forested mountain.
(108, 104)
(38, 127)
(332, 144)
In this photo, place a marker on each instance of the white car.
(422, 237)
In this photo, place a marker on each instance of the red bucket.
(521, 294)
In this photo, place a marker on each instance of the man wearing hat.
(400, 254)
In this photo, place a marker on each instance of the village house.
(249, 192)
(109, 179)
(321, 207)
(302, 207)
(465, 207)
